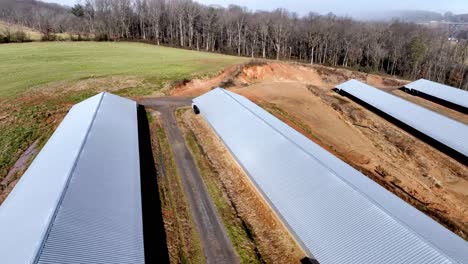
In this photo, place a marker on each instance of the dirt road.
(215, 242)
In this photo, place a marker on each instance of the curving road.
(216, 245)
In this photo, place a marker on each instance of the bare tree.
(397, 48)
(155, 10)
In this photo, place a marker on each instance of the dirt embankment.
(258, 71)
(302, 96)
(270, 239)
(197, 87)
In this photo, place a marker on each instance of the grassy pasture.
(30, 109)
(27, 65)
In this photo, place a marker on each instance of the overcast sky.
(339, 7)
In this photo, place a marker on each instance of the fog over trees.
(396, 48)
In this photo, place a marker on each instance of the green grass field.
(28, 65)
(30, 110)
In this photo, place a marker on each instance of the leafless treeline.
(396, 48)
(45, 17)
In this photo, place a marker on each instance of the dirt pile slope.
(254, 72)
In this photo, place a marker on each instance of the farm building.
(439, 91)
(443, 130)
(80, 201)
(337, 214)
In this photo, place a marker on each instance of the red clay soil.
(196, 87)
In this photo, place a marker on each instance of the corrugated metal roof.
(441, 91)
(438, 127)
(80, 200)
(335, 212)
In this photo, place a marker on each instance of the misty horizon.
(358, 9)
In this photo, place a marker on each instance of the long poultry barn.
(439, 91)
(80, 201)
(441, 129)
(336, 213)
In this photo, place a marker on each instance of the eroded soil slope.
(303, 97)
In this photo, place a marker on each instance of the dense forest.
(397, 48)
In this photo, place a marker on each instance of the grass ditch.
(31, 118)
(183, 241)
(238, 230)
(28, 119)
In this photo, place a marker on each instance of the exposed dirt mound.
(280, 72)
(245, 75)
(197, 87)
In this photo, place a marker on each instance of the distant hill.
(34, 14)
(402, 15)
(28, 4)
(459, 18)
(416, 16)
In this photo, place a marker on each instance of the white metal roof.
(447, 131)
(335, 212)
(79, 201)
(441, 91)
